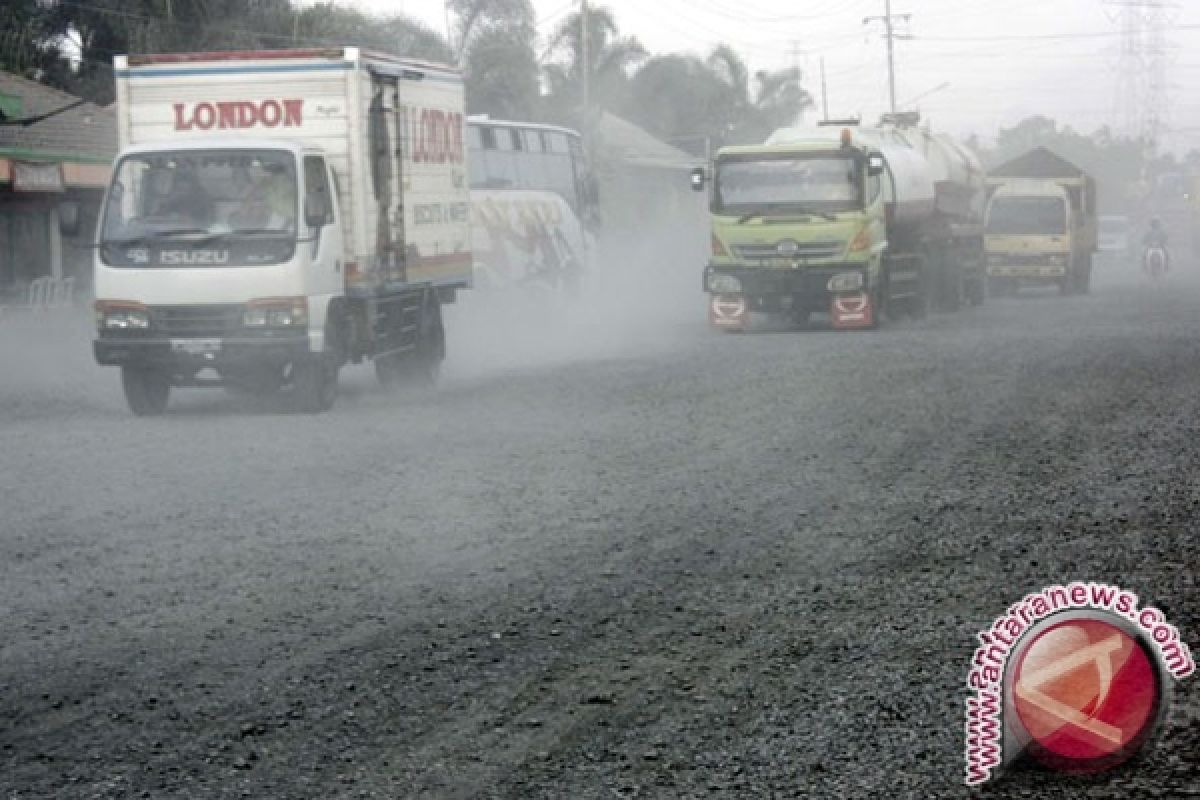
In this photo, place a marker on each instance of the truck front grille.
(804, 251)
(193, 322)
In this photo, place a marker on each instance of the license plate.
(196, 347)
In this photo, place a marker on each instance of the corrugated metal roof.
(87, 132)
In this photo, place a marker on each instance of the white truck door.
(326, 265)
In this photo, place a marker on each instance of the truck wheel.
(314, 384)
(146, 390)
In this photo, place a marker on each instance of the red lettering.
(181, 124)
(227, 115)
(205, 116)
(270, 113)
(446, 137)
(458, 139)
(247, 115)
(293, 113)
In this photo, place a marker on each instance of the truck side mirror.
(698, 179)
(316, 212)
(68, 218)
(875, 165)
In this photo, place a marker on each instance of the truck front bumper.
(799, 289)
(1026, 271)
(186, 357)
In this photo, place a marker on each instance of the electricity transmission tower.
(1142, 90)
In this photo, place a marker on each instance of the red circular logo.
(1087, 693)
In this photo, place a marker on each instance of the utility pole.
(587, 63)
(891, 35)
(824, 91)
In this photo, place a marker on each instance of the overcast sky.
(1004, 59)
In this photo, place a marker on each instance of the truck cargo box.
(392, 130)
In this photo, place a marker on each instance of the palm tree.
(610, 57)
(776, 99)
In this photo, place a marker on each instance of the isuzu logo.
(194, 257)
(239, 114)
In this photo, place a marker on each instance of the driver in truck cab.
(186, 198)
(268, 205)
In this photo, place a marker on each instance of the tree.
(496, 52)
(92, 33)
(611, 58)
(712, 102)
(683, 101)
(27, 47)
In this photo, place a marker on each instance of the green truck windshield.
(827, 183)
(1027, 216)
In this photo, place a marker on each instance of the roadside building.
(55, 156)
(650, 214)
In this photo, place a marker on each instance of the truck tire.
(314, 384)
(146, 390)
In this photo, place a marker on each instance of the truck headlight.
(846, 282)
(118, 315)
(719, 283)
(276, 312)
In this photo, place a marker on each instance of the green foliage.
(496, 52)
(611, 59)
(699, 104)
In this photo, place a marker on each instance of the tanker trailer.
(953, 234)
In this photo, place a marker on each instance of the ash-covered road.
(645, 562)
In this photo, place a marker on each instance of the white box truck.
(275, 215)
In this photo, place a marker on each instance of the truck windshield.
(245, 201)
(824, 183)
(1030, 216)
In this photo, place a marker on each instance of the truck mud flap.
(852, 311)
(729, 312)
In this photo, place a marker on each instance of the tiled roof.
(87, 130)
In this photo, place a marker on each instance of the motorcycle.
(1154, 262)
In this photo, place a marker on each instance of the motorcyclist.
(1156, 237)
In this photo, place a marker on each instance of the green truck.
(857, 223)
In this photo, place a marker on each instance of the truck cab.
(797, 228)
(247, 230)
(1028, 234)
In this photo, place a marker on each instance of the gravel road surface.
(602, 560)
